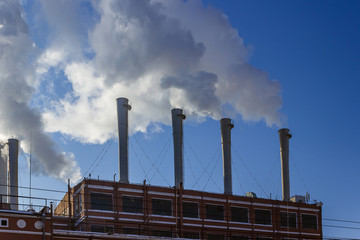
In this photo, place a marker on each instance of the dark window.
(309, 221)
(4, 222)
(262, 217)
(214, 212)
(235, 237)
(288, 219)
(161, 207)
(239, 214)
(190, 209)
(161, 233)
(263, 238)
(215, 237)
(77, 204)
(132, 204)
(102, 228)
(132, 231)
(101, 201)
(191, 235)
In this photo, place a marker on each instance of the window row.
(133, 204)
(167, 233)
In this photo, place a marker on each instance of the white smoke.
(158, 54)
(17, 118)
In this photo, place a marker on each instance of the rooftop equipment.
(177, 123)
(226, 127)
(284, 135)
(122, 113)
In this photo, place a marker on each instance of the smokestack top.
(285, 131)
(124, 101)
(178, 111)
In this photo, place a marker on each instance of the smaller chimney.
(177, 123)
(284, 135)
(226, 127)
(13, 172)
(123, 108)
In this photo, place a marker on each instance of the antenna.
(307, 197)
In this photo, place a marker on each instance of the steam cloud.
(159, 54)
(17, 118)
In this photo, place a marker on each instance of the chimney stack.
(13, 172)
(226, 127)
(177, 123)
(122, 113)
(284, 135)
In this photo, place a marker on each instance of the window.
(161, 207)
(288, 219)
(214, 212)
(132, 204)
(236, 237)
(190, 209)
(262, 217)
(4, 222)
(263, 238)
(132, 231)
(161, 233)
(215, 237)
(191, 235)
(101, 201)
(102, 228)
(309, 221)
(77, 204)
(239, 214)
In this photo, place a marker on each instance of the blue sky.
(302, 65)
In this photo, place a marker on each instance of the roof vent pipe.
(226, 127)
(284, 135)
(13, 172)
(177, 124)
(122, 114)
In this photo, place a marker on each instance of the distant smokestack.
(177, 123)
(13, 172)
(226, 127)
(284, 136)
(122, 113)
(3, 174)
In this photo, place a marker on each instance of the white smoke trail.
(159, 54)
(17, 118)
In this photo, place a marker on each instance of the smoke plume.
(159, 54)
(17, 118)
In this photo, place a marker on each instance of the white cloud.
(158, 54)
(17, 118)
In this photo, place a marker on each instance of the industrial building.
(99, 209)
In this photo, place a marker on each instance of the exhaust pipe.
(177, 124)
(13, 173)
(284, 135)
(122, 114)
(226, 127)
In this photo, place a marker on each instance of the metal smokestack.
(284, 135)
(122, 113)
(13, 172)
(3, 174)
(177, 123)
(226, 127)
